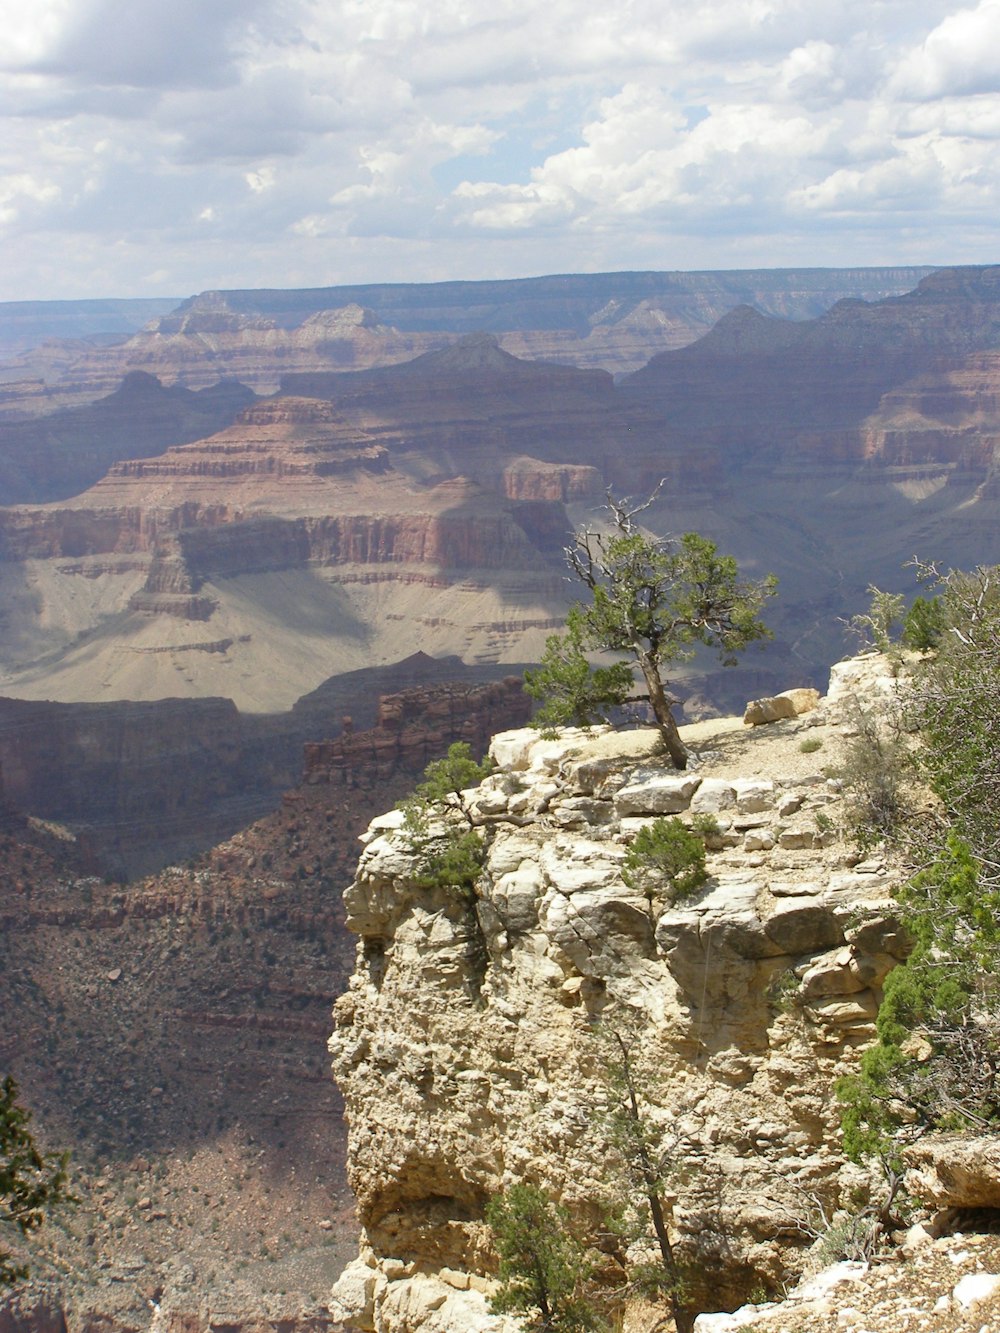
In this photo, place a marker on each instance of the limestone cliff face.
(469, 1045)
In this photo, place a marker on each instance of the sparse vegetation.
(656, 599)
(644, 1173)
(571, 690)
(32, 1182)
(876, 776)
(924, 624)
(451, 856)
(543, 1268)
(936, 1064)
(875, 627)
(810, 745)
(666, 860)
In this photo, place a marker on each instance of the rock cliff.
(289, 546)
(614, 321)
(469, 1048)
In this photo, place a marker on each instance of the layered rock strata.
(469, 1045)
(615, 321)
(259, 561)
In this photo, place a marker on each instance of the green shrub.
(449, 856)
(924, 623)
(451, 860)
(705, 825)
(542, 1266)
(810, 745)
(874, 628)
(572, 691)
(665, 859)
(875, 773)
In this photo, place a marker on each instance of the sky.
(165, 147)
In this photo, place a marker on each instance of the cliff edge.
(469, 1045)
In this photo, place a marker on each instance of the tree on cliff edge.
(31, 1182)
(657, 598)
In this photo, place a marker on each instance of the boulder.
(666, 795)
(774, 709)
(955, 1171)
(789, 703)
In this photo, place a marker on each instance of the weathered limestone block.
(803, 925)
(758, 840)
(581, 812)
(955, 1172)
(601, 932)
(831, 974)
(572, 863)
(760, 711)
(490, 800)
(516, 896)
(858, 1010)
(713, 796)
(805, 699)
(790, 804)
(426, 1304)
(352, 1300)
(871, 969)
(800, 838)
(657, 794)
(789, 703)
(753, 795)
(527, 748)
(387, 823)
(725, 920)
(872, 677)
(882, 933)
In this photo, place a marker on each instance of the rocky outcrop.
(469, 1045)
(414, 727)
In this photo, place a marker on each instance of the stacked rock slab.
(469, 1045)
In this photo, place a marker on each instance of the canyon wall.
(171, 1031)
(57, 455)
(141, 784)
(428, 503)
(615, 321)
(473, 1044)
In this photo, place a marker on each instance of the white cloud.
(347, 139)
(960, 56)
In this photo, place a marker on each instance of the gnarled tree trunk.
(662, 711)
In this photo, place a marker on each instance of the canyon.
(172, 1031)
(611, 320)
(358, 514)
(263, 560)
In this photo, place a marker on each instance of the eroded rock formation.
(469, 1044)
(614, 321)
(142, 784)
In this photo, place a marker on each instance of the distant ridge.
(567, 300)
